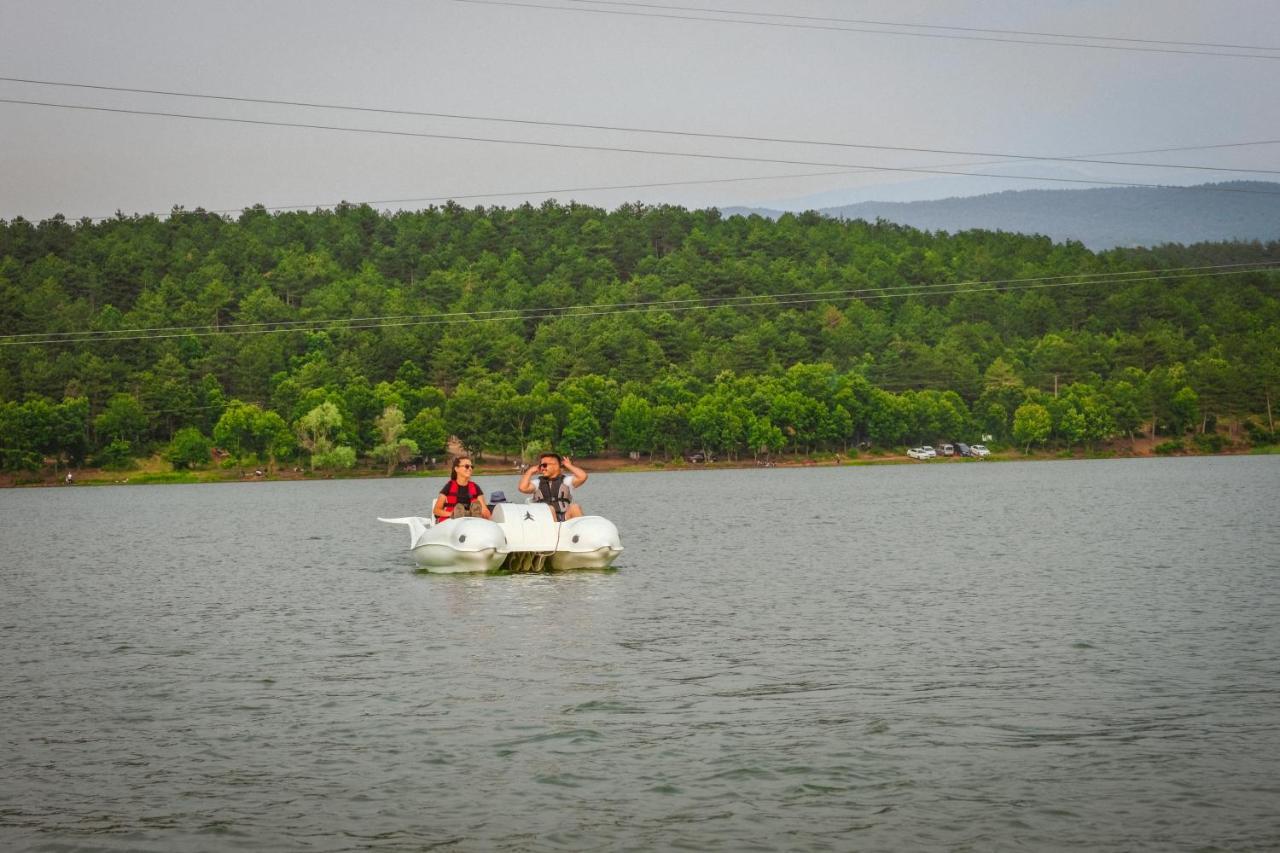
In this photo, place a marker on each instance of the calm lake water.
(1049, 656)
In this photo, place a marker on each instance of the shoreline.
(151, 471)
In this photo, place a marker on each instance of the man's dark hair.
(550, 455)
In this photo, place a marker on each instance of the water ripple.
(1082, 656)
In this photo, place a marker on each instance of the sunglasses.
(464, 466)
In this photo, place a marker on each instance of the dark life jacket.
(454, 496)
(554, 491)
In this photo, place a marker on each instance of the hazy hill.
(1099, 218)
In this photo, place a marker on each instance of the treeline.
(333, 336)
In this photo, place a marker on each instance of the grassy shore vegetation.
(350, 340)
(157, 469)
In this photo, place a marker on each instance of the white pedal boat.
(520, 537)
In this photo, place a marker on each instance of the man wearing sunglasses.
(549, 484)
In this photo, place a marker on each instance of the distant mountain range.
(1099, 218)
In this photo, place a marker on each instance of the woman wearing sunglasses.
(460, 496)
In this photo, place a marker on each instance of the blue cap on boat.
(497, 498)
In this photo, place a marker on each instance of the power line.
(1098, 278)
(1002, 155)
(923, 26)
(430, 199)
(607, 187)
(1101, 277)
(580, 189)
(555, 191)
(622, 150)
(822, 27)
(671, 306)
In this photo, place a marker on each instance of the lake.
(976, 656)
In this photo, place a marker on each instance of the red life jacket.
(453, 495)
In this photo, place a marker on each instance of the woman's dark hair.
(453, 469)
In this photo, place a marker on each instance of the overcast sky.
(820, 77)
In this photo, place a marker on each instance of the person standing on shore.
(549, 484)
(460, 496)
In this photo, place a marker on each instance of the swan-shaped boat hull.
(519, 537)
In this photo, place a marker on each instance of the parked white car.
(980, 451)
(930, 453)
(917, 453)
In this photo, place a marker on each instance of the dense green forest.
(328, 337)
